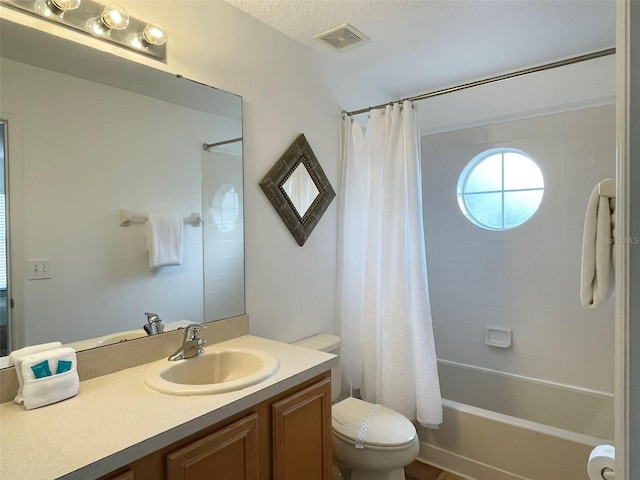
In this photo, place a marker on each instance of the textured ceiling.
(417, 46)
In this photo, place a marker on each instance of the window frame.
(467, 173)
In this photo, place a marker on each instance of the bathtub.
(500, 426)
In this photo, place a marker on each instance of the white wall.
(579, 85)
(290, 290)
(525, 279)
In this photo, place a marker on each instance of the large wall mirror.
(87, 134)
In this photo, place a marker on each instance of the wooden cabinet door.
(301, 434)
(228, 454)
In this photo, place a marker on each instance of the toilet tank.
(330, 344)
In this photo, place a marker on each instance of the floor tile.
(421, 471)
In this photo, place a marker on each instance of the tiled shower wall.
(526, 279)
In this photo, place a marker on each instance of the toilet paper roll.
(601, 459)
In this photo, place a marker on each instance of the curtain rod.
(497, 78)
(208, 146)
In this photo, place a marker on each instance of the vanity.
(118, 428)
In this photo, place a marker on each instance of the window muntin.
(500, 189)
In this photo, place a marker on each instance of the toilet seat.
(385, 430)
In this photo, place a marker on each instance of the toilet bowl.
(370, 442)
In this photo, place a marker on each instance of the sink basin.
(120, 337)
(217, 370)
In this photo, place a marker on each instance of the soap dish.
(498, 337)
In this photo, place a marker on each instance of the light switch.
(38, 269)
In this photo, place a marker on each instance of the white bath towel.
(15, 358)
(30, 350)
(597, 251)
(38, 392)
(164, 239)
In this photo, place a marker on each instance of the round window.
(225, 208)
(500, 189)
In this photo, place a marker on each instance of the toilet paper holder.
(601, 463)
(608, 474)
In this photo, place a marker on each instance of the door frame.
(15, 226)
(622, 219)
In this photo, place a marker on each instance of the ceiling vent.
(342, 37)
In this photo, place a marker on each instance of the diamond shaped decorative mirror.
(298, 189)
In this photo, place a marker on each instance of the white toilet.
(386, 441)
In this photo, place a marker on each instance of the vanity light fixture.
(111, 23)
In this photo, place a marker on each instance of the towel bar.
(128, 218)
(607, 188)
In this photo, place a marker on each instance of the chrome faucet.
(191, 343)
(154, 324)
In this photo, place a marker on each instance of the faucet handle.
(192, 330)
(154, 324)
(191, 343)
(152, 317)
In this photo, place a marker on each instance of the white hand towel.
(38, 392)
(597, 251)
(164, 239)
(15, 358)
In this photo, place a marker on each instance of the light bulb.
(115, 17)
(65, 5)
(155, 34)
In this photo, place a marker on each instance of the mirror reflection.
(88, 134)
(301, 189)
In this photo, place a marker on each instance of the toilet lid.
(356, 420)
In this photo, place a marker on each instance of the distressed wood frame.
(272, 185)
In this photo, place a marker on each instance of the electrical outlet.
(39, 269)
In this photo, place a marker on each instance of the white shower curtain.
(383, 299)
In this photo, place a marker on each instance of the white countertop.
(116, 419)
